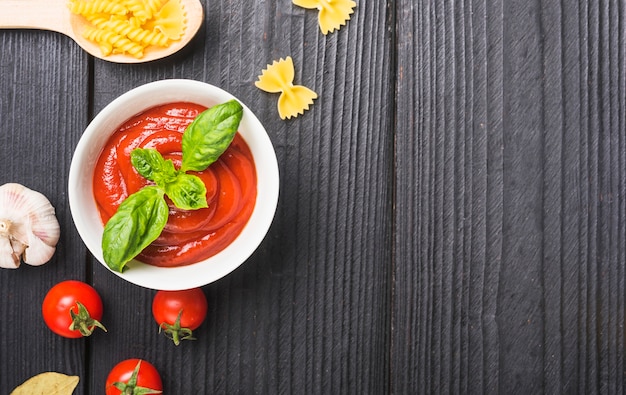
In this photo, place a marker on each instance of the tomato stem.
(175, 332)
(83, 322)
(130, 387)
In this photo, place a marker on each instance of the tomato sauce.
(188, 236)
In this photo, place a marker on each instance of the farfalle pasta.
(278, 78)
(167, 21)
(332, 13)
(131, 26)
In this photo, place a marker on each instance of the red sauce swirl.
(189, 236)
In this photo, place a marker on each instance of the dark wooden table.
(452, 213)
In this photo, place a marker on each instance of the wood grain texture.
(309, 311)
(452, 211)
(510, 205)
(43, 110)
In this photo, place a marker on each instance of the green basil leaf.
(210, 134)
(150, 164)
(138, 221)
(188, 192)
(168, 173)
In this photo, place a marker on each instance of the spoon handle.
(35, 14)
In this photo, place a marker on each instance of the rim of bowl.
(86, 216)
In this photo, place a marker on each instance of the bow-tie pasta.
(293, 99)
(332, 13)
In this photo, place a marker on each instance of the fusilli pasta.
(130, 26)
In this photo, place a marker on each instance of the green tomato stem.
(83, 322)
(174, 332)
(130, 387)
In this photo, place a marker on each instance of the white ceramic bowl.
(85, 213)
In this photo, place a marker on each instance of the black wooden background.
(452, 214)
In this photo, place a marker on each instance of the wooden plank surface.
(309, 310)
(43, 110)
(452, 212)
(511, 136)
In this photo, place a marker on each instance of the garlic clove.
(38, 252)
(8, 259)
(29, 229)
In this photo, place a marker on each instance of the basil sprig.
(141, 217)
(185, 190)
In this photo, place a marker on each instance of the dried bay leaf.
(48, 383)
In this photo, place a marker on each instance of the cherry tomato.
(72, 309)
(133, 376)
(179, 313)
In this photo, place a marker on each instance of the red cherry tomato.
(72, 309)
(133, 376)
(179, 313)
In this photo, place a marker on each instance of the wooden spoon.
(54, 15)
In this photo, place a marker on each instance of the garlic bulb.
(29, 230)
